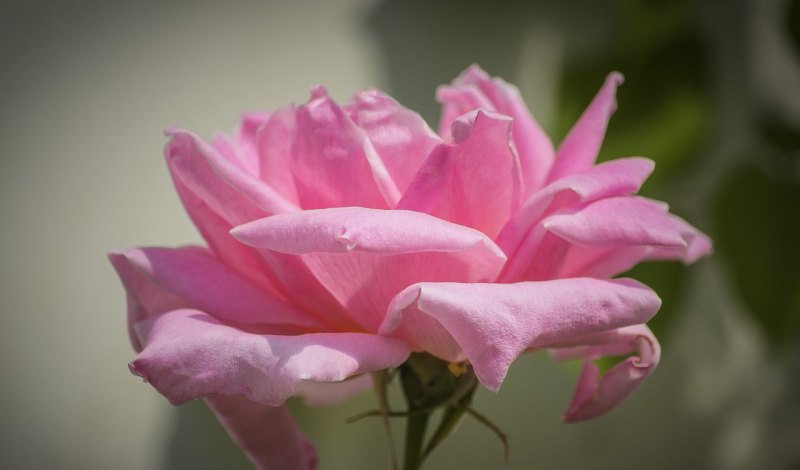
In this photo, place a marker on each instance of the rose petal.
(609, 253)
(581, 146)
(234, 195)
(214, 230)
(246, 140)
(200, 281)
(611, 233)
(617, 221)
(520, 238)
(475, 181)
(495, 323)
(144, 298)
(400, 136)
(475, 89)
(327, 394)
(241, 148)
(189, 354)
(268, 435)
(274, 147)
(330, 154)
(365, 256)
(597, 393)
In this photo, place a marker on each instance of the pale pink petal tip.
(318, 91)
(596, 393)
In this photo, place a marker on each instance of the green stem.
(380, 381)
(415, 436)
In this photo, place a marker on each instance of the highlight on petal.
(597, 393)
(189, 354)
(268, 435)
(494, 323)
(328, 394)
(475, 181)
(473, 89)
(582, 144)
(364, 257)
(400, 136)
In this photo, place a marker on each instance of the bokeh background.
(712, 94)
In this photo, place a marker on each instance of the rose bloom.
(342, 238)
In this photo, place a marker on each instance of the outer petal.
(200, 281)
(144, 298)
(474, 89)
(401, 137)
(189, 354)
(474, 182)
(268, 435)
(580, 147)
(609, 234)
(627, 232)
(365, 256)
(596, 394)
(327, 394)
(495, 323)
(520, 238)
(334, 163)
(618, 221)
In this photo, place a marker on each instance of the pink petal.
(475, 181)
(400, 136)
(214, 205)
(365, 256)
(495, 323)
(596, 394)
(246, 140)
(520, 239)
(581, 146)
(242, 147)
(617, 221)
(214, 229)
(268, 435)
(189, 354)
(328, 394)
(231, 193)
(144, 298)
(334, 162)
(200, 281)
(475, 89)
(274, 148)
(612, 252)
(606, 237)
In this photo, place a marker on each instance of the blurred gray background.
(712, 94)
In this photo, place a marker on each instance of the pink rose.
(341, 239)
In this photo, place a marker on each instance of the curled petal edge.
(597, 393)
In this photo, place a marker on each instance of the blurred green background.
(712, 94)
